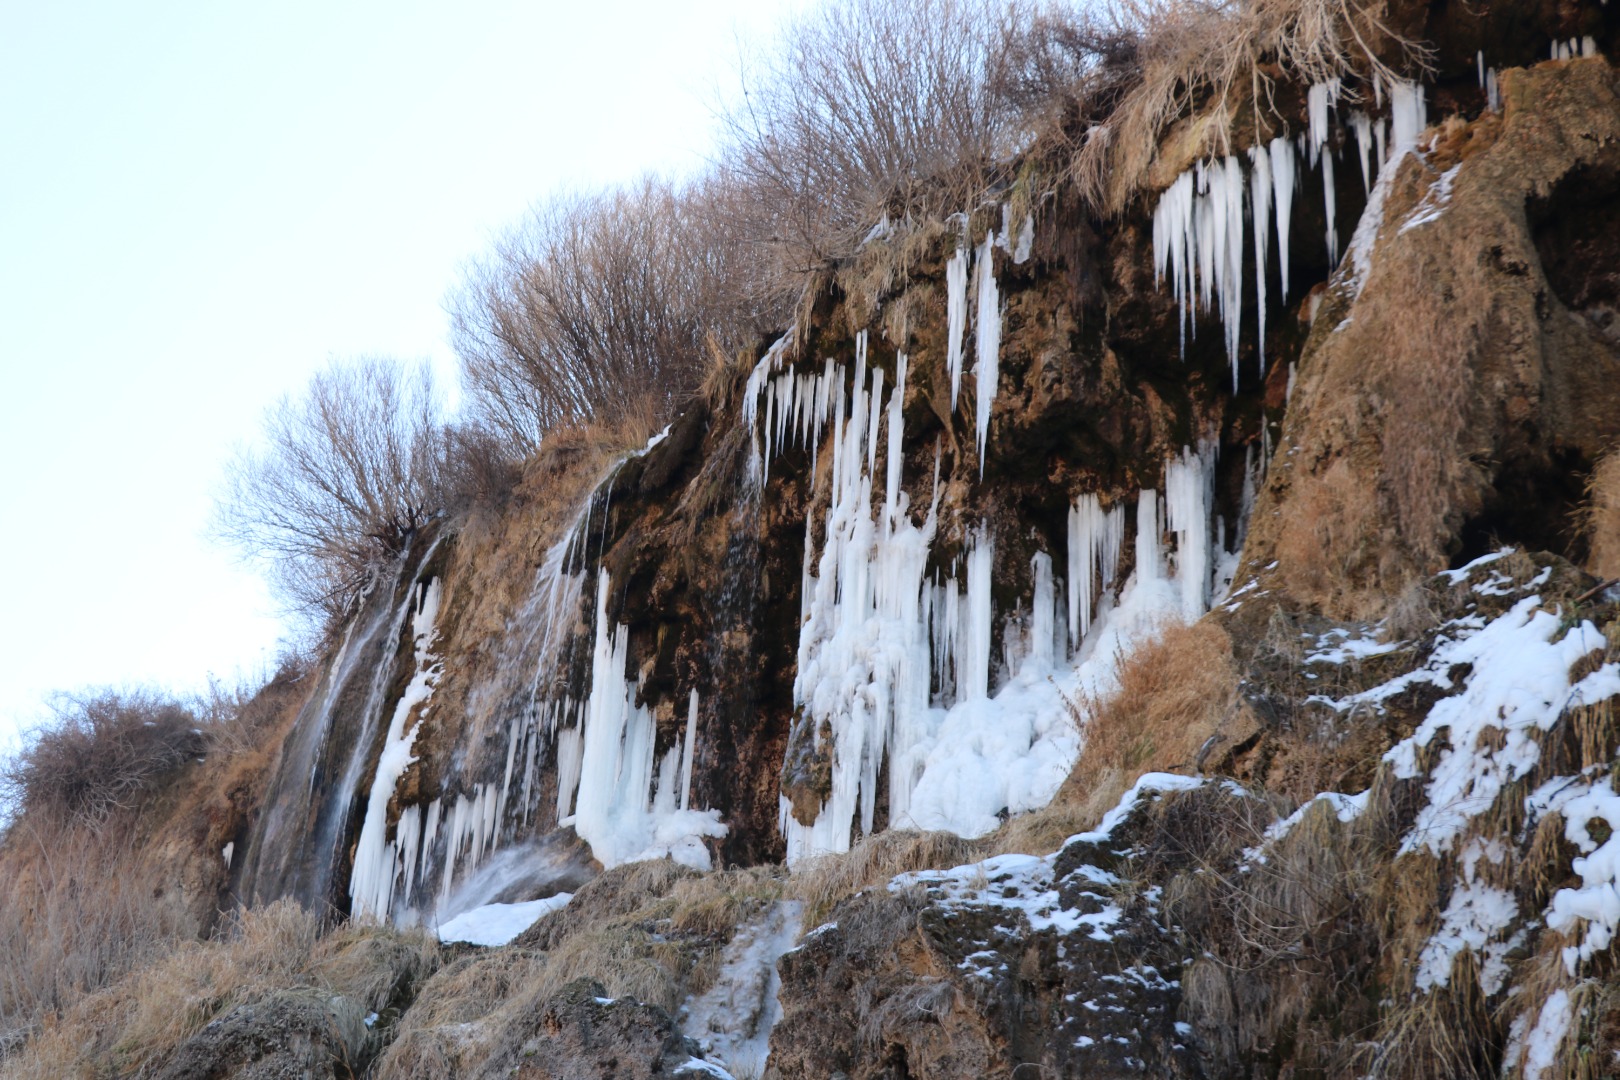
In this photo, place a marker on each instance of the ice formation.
(494, 925)
(732, 1021)
(956, 282)
(1198, 224)
(987, 345)
(896, 663)
(380, 864)
(617, 809)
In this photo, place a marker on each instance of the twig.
(1589, 593)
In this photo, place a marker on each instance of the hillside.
(1161, 620)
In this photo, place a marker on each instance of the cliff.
(1154, 628)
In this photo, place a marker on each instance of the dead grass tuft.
(875, 860)
(133, 1024)
(1601, 516)
(1174, 691)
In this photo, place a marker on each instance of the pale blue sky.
(200, 202)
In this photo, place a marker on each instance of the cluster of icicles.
(784, 407)
(895, 664)
(1198, 226)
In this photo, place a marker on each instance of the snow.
(1018, 883)
(1516, 683)
(1338, 646)
(494, 925)
(1541, 1046)
(1595, 902)
(228, 853)
(706, 1068)
(732, 1021)
(379, 863)
(1475, 919)
(1434, 201)
(987, 345)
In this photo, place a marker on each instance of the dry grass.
(1163, 61)
(88, 898)
(1601, 517)
(134, 1024)
(875, 860)
(1174, 692)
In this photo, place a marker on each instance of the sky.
(201, 203)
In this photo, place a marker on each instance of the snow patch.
(494, 925)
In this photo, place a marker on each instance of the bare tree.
(349, 472)
(600, 306)
(868, 106)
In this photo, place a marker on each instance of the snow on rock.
(1516, 683)
(1017, 883)
(1028, 885)
(497, 924)
(1476, 918)
(733, 1020)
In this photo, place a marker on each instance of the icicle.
(1198, 237)
(1480, 58)
(1493, 96)
(977, 620)
(1408, 115)
(1095, 539)
(956, 278)
(1284, 170)
(1318, 99)
(1330, 198)
(987, 356)
(1147, 536)
(1026, 238)
(1260, 214)
(1188, 491)
(1362, 125)
(688, 749)
(1042, 628)
(1589, 46)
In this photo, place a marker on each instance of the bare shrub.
(350, 472)
(865, 106)
(599, 307)
(98, 755)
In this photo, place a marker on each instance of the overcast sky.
(201, 202)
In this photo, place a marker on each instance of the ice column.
(956, 279)
(379, 862)
(1096, 537)
(987, 357)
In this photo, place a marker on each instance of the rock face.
(1059, 964)
(1459, 377)
(292, 1035)
(585, 1034)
